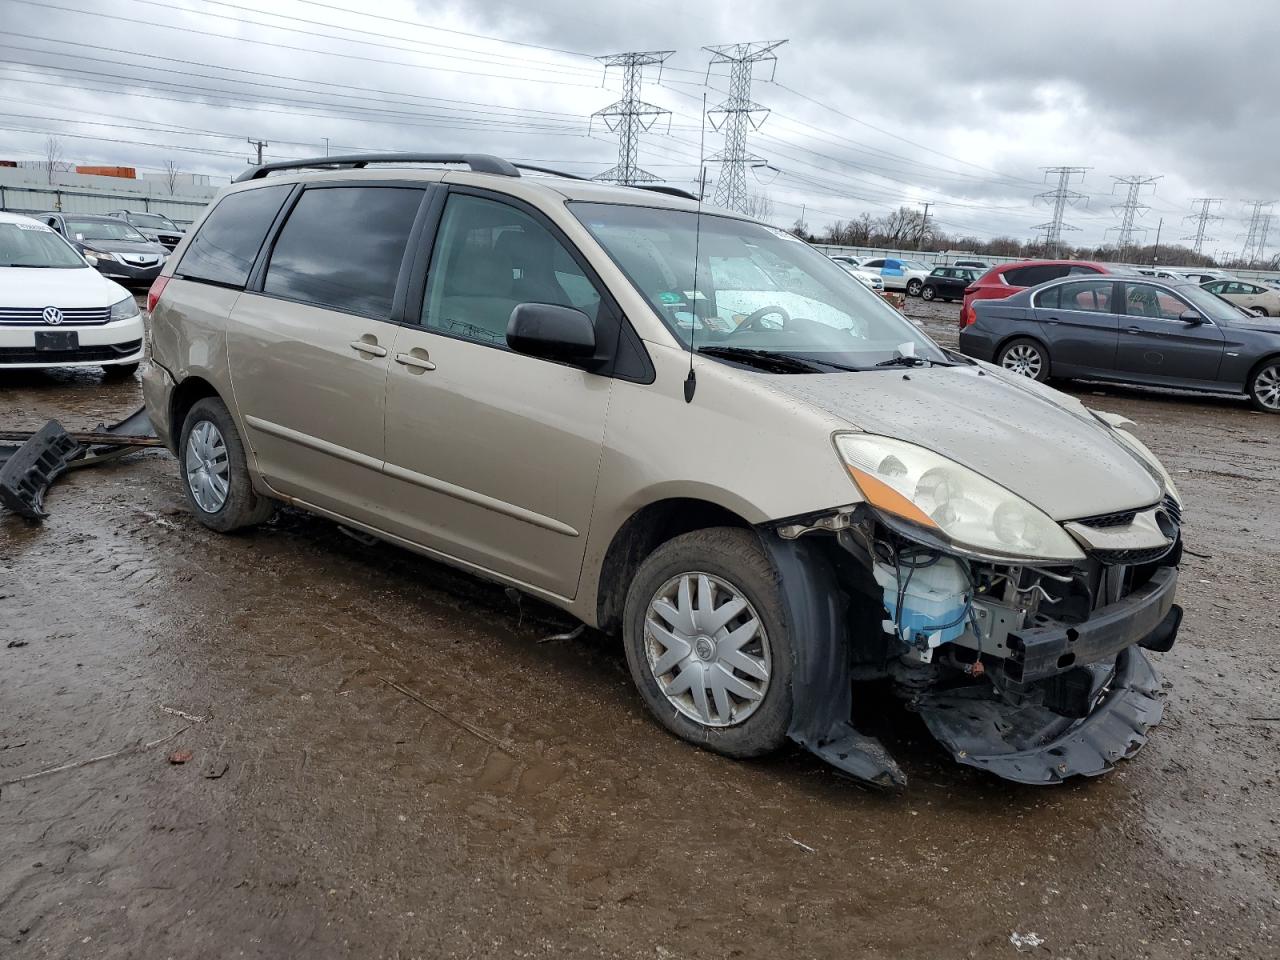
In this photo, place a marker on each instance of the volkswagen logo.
(52, 316)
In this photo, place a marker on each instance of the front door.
(1156, 344)
(1078, 322)
(494, 455)
(309, 349)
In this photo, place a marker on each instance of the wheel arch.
(640, 534)
(185, 396)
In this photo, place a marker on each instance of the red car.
(1008, 278)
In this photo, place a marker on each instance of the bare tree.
(171, 174)
(52, 158)
(758, 207)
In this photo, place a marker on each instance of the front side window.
(1090, 296)
(1145, 300)
(720, 281)
(228, 241)
(341, 247)
(489, 258)
(35, 245)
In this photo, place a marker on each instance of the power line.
(1130, 210)
(631, 116)
(1062, 197)
(737, 113)
(1203, 217)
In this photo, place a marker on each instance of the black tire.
(736, 557)
(1262, 386)
(1019, 345)
(120, 371)
(928, 293)
(914, 287)
(242, 506)
(1263, 311)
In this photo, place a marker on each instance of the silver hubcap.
(1023, 359)
(208, 473)
(1267, 387)
(707, 649)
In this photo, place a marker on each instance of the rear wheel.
(215, 471)
(1025, 357)
(1263, 311)
(707, 642)
(913, 288)
(1264, 387)
(928, 293)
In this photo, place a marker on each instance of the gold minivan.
(684, 427)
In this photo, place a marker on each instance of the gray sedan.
(1165, 333)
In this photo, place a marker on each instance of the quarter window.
(342, 248)
(489, 258)
(228, 241)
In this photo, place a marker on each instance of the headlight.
(1150, 461)
(940, 495)
(125, 309)
(101, 255)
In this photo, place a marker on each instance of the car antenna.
(691, 382)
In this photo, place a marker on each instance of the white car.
(871, 280)
(908, 275)
(58, 311)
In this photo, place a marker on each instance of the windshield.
(153, 220)
(35, 245)
(1211, 304)
(103, 230)
(757, 288)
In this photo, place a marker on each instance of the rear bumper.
(105, 344)
(977, 344)
(157, 391)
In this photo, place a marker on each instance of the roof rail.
(669, 191)
(478, 162)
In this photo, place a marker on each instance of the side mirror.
(551, 332)
(1191, 318)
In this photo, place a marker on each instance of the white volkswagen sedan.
(56, 310)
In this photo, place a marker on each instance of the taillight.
(967, 315)
(153, 295)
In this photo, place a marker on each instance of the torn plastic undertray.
(1032, 744)
(30, 462)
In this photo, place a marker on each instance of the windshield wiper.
(901, 360)
(780, 362)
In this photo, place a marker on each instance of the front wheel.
(1264, 388)
(928, 293)
(1025, 357)
(707, 642)
(215, 471)
(913, 288)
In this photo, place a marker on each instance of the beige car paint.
(512, 467)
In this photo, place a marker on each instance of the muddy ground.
(528, 807)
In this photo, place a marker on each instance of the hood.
(70, 287)
(1044, 446)
(148, 247)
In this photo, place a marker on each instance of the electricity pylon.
(736, 114)
(1060, 198)
(631, 116)
(1259, 223)
(1202, 217)
(1130, 210)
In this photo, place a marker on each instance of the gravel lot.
(389, 763)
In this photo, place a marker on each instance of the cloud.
(960, 105)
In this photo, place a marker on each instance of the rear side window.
(341, 247)
(1090, 296)
(1036, 275)
(224, 249)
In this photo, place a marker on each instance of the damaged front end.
(1034, 671)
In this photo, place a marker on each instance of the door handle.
(414, 363)
(1052, 320)
(369, 347)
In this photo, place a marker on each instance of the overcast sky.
(873, 105)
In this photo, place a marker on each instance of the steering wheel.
(752, 322)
